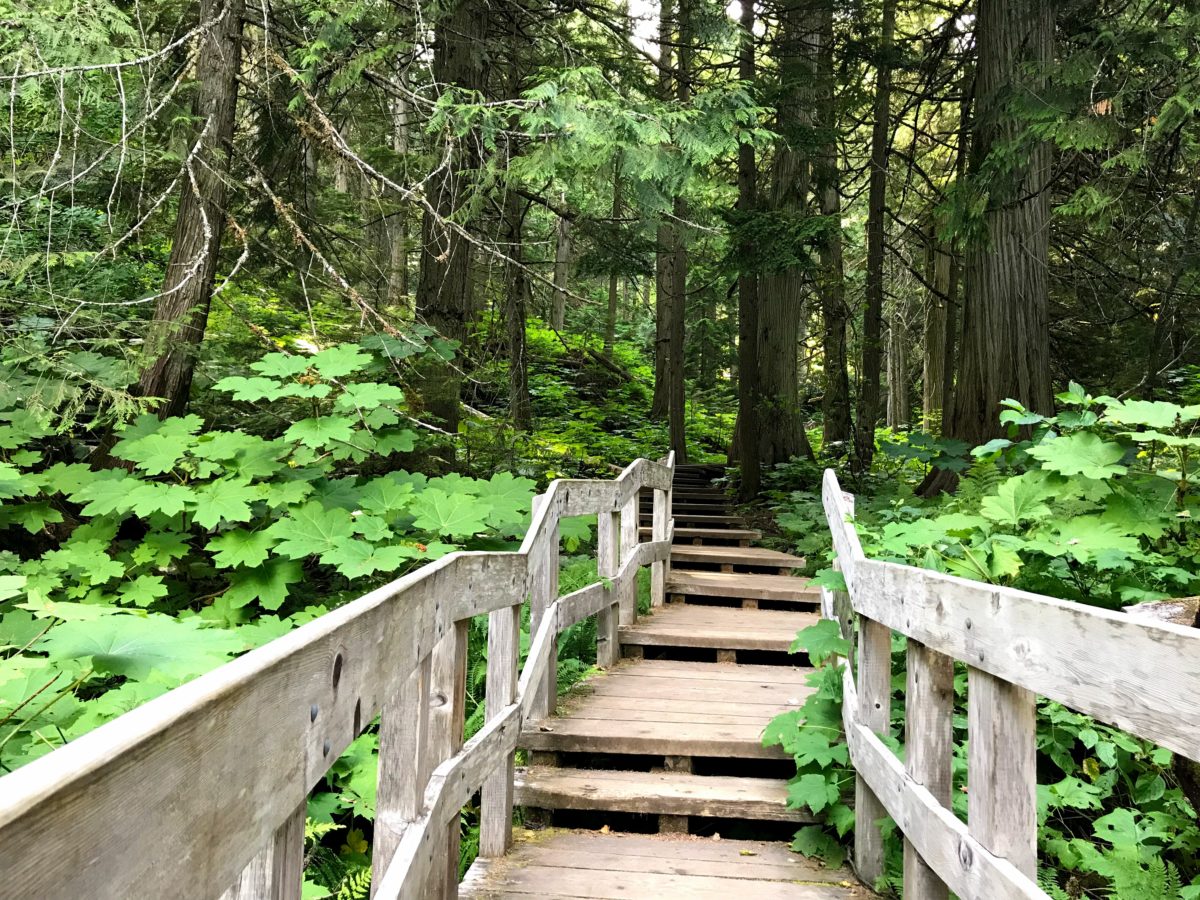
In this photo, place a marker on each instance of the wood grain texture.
(504, 632)
(1002, 769)
(929, 745)
(873, 712)
(742, 586)
(944, 842)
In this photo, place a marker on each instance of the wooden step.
(705, 519)
(667, 708)
(697, 494)
(616, 866)
(716, 627)
(741, 586)
(682, 555)
(724, 535)
(659, 793)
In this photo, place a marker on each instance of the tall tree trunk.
(781, 299)
(398, 273)
(747, 286)
(443, 290)
(515, 308)
(898, 411)
(181, 313)
(937, 302)
(1005, 351)
(610, 321)
(666, 238)
(677, 394)
(562, 273)
(881, 135)
(831, 284)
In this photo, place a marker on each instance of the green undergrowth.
(1095, 505)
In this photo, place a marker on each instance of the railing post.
(874, 685)
(658, 570)
(629, 542)
(928, 730)
(1002, 769)
(504, 632)
(276, 871)
(447, 707)
(404, 765)
(543, 590)
(608, 646)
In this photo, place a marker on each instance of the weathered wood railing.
(203, 790)
(1141, 676)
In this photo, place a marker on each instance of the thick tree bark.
(1005, 350)
(181, 313)
(443, 290)
(665, 257)
(831, 285)
(676, 393)
(748, 412)
(872, 337)
(781, 298)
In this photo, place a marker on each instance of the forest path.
(663, 752)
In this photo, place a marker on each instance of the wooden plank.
(276, 871)
(447, 704)
(404, 765)
(627, 595)
(671, 793)
(718, 627)
(942, 841)
(929, 747)
(659, 531)
(608, 645)
(1002, 769)
(580, 735)
(1141, 676)
(873, 713)
(672, 668)
(504, 630)
(759, 557)
(742, 586)
(722, 534)
(543, 590)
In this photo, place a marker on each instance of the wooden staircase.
(670, 739)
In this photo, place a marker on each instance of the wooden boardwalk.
(669, 740)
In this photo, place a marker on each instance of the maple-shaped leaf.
(814, 791)
(385, 496)
(355, 559)
(456, 515)
(33, 517)
(1019, 499)
(371, 528)
(107, 494)
(138, 647)
(267, 583)
(240, 547)
(319, 431)
(11, 586)
(65, 478)
(369, 396)
(284, 493)
(142, 591)
(282, 365)
(316, 391)
(342, 360)
(1156, 414)
(510, 498)
(312, 530)
(224, 501)
(159, 548)
(155, 454)
(246, 455)
(394, 440)
(821, 640)
(250, 389)
(150, 497)
(1081, 453)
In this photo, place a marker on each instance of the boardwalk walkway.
(669, 740)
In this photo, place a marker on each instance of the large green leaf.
(224, 501)
(240, 548)
(135, 647)
(1155, 414)
(267, 583)
(319, 431)
(1082, 453)
(456, 515)
(354, 559)
(312, 530)
(1019, 499)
